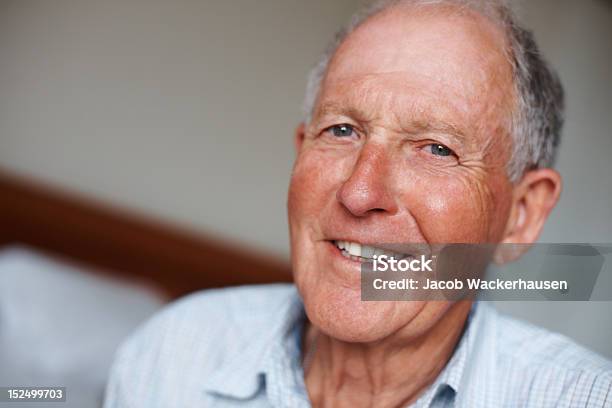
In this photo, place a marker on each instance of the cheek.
(304, 180)
(315, 179)
(451, 209)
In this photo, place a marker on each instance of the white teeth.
(354, 249)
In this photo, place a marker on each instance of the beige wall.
(575, 36)
(185, 109)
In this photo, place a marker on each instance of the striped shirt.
(241, 347)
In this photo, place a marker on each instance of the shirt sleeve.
(117, 389)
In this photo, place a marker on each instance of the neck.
(388, 373)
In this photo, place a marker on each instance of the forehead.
(424, 59)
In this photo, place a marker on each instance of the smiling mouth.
(365, 253)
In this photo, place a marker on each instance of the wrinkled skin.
(405, 82)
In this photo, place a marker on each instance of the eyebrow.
(421, 125)
(334, 108)
(437, 126)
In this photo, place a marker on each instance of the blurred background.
(141, 139)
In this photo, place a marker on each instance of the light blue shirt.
(241, 347)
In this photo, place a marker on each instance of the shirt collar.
(453, 377)
(246, 373)
(453, 372)
(277, 354)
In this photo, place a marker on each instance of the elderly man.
(427, 122)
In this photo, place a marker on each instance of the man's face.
(408, 144)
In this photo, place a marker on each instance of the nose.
(368, 188)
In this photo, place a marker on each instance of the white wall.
(185, 109)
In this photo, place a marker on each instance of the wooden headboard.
(125, 244)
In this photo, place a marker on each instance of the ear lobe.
(534, 198)
(298, 138)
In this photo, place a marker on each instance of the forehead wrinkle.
(353, 98)
(412, 112)
(483, 51)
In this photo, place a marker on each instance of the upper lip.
(369, 241)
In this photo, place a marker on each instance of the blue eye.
(440, 150)
(343, 130)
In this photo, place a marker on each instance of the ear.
(534, 197)
(298, 138)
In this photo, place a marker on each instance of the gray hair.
(537, 119)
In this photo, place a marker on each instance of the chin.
(340, 313)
